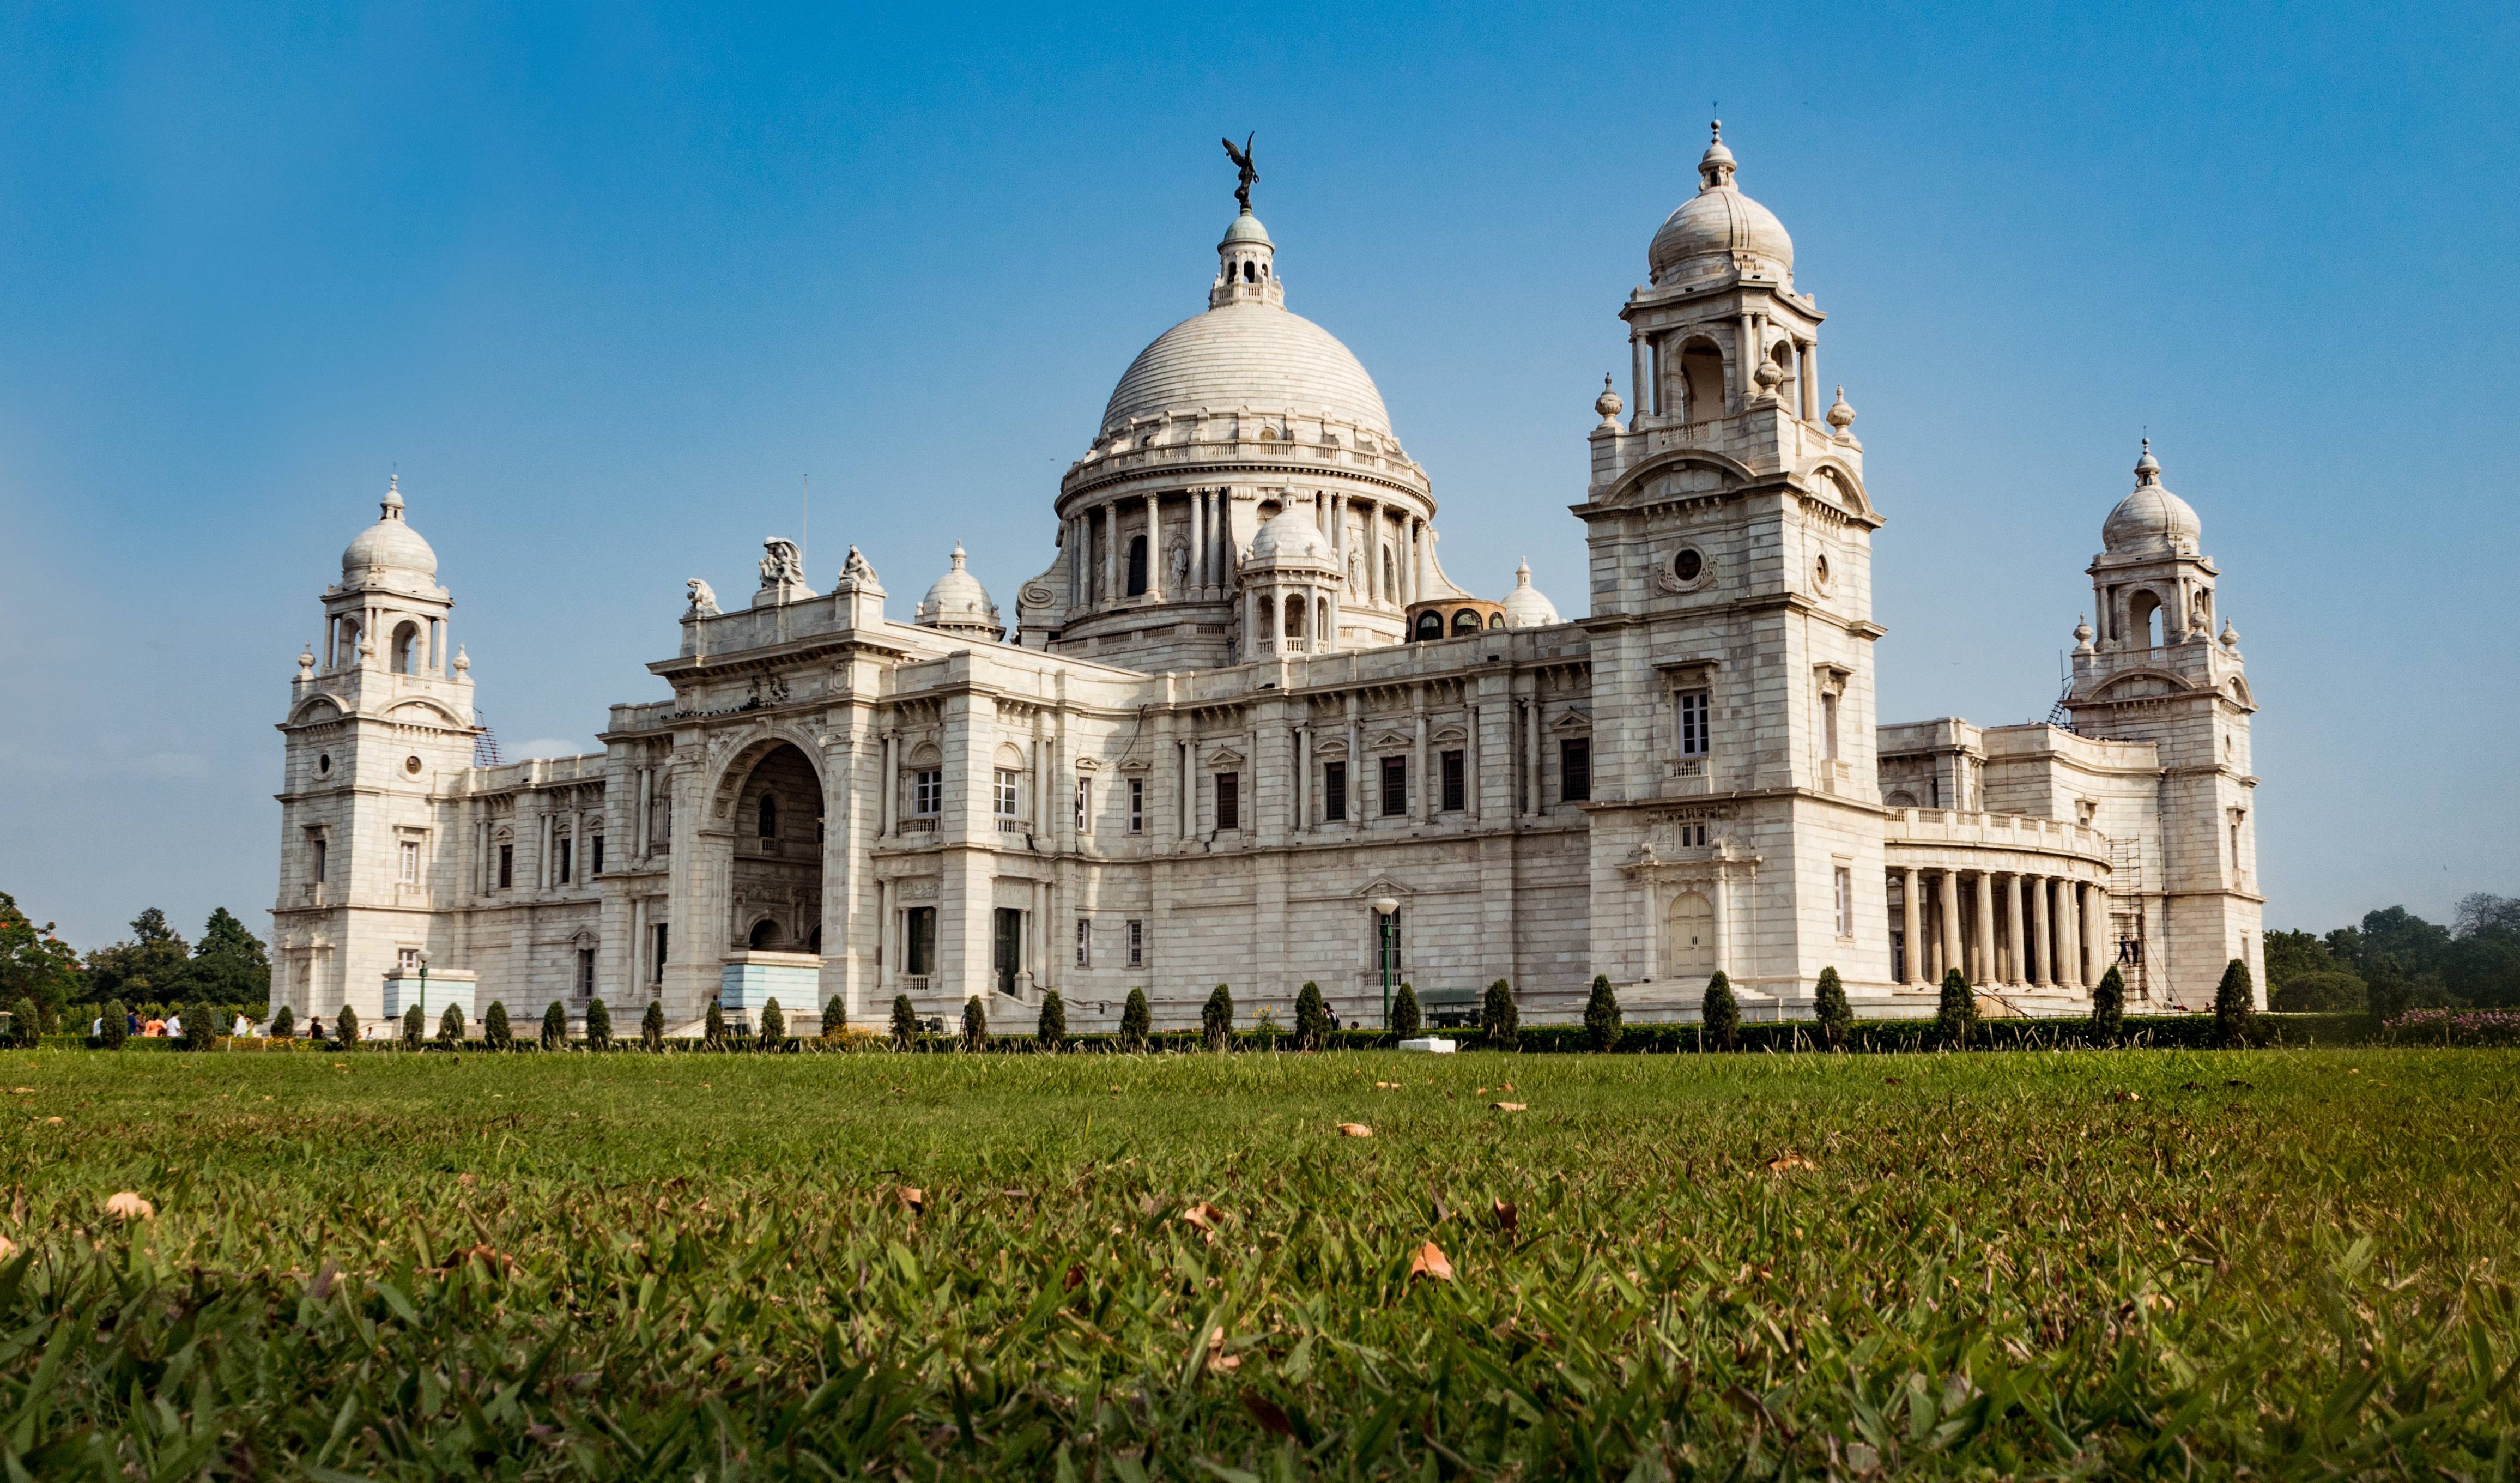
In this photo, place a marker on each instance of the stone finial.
(1841, 415)
(391, 507)
(2147, 468)
(307, 661)
(1768, 376)
(1608, 404)
(2082, 634)
(2230, 637)
(463, 660)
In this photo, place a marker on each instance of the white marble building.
(1244, 703)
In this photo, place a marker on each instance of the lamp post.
(1384, 908)
(423, 955)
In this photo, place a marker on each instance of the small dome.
(1718, 224)
(1290, 536)
(2153, 519)
(389, 546)
(1246, 228)
(959, 601)
(1524, 607)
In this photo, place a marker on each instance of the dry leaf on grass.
(1203, 1217)
(1356, 1130)
(1512, 1106)
(1217, 1359)
(1075, 1277)
(325, 1277)
(1431, 1261)
(1269, 1414)
(913, 1198)
(468, 1180)
(1507, 1087)
(24, 1091)
(2126, 1097)
(129, 1207)
(1507, 1215)
(1387, 1086)
(50, 1121)
(1786, 1163)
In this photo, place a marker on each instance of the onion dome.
(958, 603)
(2151, 520)
(1720, 228)
(1524, 607)
(390, 550)
(1290, 536)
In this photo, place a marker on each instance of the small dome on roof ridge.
(1524, 607)
(389, 546)
(957, 603)
(1290, 536)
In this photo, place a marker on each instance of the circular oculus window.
(1819, 574)
(411, 765)
(323, 764)
(1689, 565)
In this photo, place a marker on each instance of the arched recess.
(1466, 621)
(1701, 380)
(772, 795)
(1295, 605)
(2144, 618)
(1137, 565)
(1688, 937)
(316, 708)
(410, 649)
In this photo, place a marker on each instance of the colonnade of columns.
(1098, 544)
(2035, 931)
(1654, 372)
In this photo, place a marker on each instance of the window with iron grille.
(1137, 805)
(1229, 800)
(1084, 805)
(1084, 942)
(1574, 769)
(1137, 944)
(1453, 781)
(1395, 786)
(1333, 790)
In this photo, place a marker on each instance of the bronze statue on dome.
(1242, 158)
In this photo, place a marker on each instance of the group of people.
(133, 1024)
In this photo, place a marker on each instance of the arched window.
(1466, 621)
(1430, 625)
(1321, 623)
(1294, 616)
(764, 932)
(2144, 613)
(1268, 623)
(1250, 274)
(408, 653)
(769, 817)
(1496, 621)
(1688, 942)
(1390, 576)
(1701, 381)
(1137, 565)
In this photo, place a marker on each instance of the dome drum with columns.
(1224, 729)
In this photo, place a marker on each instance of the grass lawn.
(394, 1266)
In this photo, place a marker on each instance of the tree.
(1500, 1017)
(976, 1024)
(2108, 1007)
(34, 964)
(598, 1025)
(1312, 1017)
(651, 1026)
(230, 964)
(25, 1027)
(345, 1027)
(774, 1026)
(284, 1024)
(1955, 1018)
(1135, 1023)
(2296, 954)
(2338, 993)
(835, 1016)
(200, 1025)
(713, 1025)
(1052, 1031)
(1216, 1019)
(1828, 1005)
(1406, 1017)
(495, 1031)
(554, 1027)
(116, 1027)
(1721, 1012)
(1601, 1016)
(149, 967)
(450, 1027)
(415, 1027)
(2483, 965)
(904, 1023)
(2235, 1006)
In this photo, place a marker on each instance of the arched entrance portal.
(777, 875)
(1689, 951)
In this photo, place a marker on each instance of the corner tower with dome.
(1244, 727)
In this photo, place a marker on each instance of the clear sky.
(604, 282)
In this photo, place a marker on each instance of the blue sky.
(601, 283)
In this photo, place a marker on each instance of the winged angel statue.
(1242, 158)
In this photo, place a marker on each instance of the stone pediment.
(1225, 757)
(1088, 765)
(1387, 741)
(1576, 719)
(1383, 885)
(1452, 734)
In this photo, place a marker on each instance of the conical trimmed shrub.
(1955, 1018)
(2108, 1007)
(1830, 1006)
(904, 1023)
(713, 1025)
(976, 1024)
(1500, 1017)
(1312, 1018)
(836, 1017)
(1406, 1018)
(118, 1024)
(2235, 1007)
(1051, 1032)
(598, 1025)
(284, 1024)
(651, 1026)
(495, 1032)
(774, 1026)
(202, 1025)
(1721, 1012)
(1216, 1019)
(345, 1027)
(1601, 1016)
(1135, 1023)
(415, 1027)
(450, 1027)
(554, 1027)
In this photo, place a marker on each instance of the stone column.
(2040, 962)
(1424, 809)
(891, 800)
(2096, 930)
(1470, 774)
(1911, 914)
(1721, 892)
(1807, 356)
(1408, 584)
(1198, 542)
(1154, 550)
(1355, 761)
(1948, 897)
(1638, 371)
(1110, 553)
(2017, 969)
(2069, 933)
(887, 951)
(1302, 790)
(1745, 360)
(1986, 970)
(1531, 800)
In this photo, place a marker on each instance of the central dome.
(1247, 354)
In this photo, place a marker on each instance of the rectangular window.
(1137, 805)
(661, 827)
(1693, 732)
(407, 867)
(1694, 834)
(1333, 790)
(407, 959)
(1828, 727)
(1451, 783)
(1845, 902)
(1229, 800)
(594, 858)
(1084, 943)
(319, 853)
(507, 866)
(1137, 944)
(1084, 805)
(928, 792)
(1574, 769)
(918, 940)
(1395, 786)
(660, 969)
(565, 860)
(1009, 793)
(586, 972)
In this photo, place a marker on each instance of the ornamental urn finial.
(1608, 404)
(1841, 415)
(2082, 634)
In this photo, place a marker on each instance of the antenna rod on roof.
(805, 524)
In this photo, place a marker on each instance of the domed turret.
(1290, 536)
(958, 603)
(2153, 519)
(1720, 229)
(1524, 607)
(390, 551)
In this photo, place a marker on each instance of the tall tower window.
(1084, 942)
(659, 972)
(1574, 769)
(1229, 800)
(1828, 726)
(1009, 793)
(507, 866)
(1333, 790)
(1453, 782)
(1084, 805)
(407, 863)
(1845, 902)
(1137, 565)
(1694, 734)
(1137, 944)
(1395, 786)
(1137, 805)
(767, 817)
(315, 853)
(928, 792)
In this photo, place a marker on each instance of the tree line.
(229, 968)
(2395, 961)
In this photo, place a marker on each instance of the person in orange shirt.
(154, 1027)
